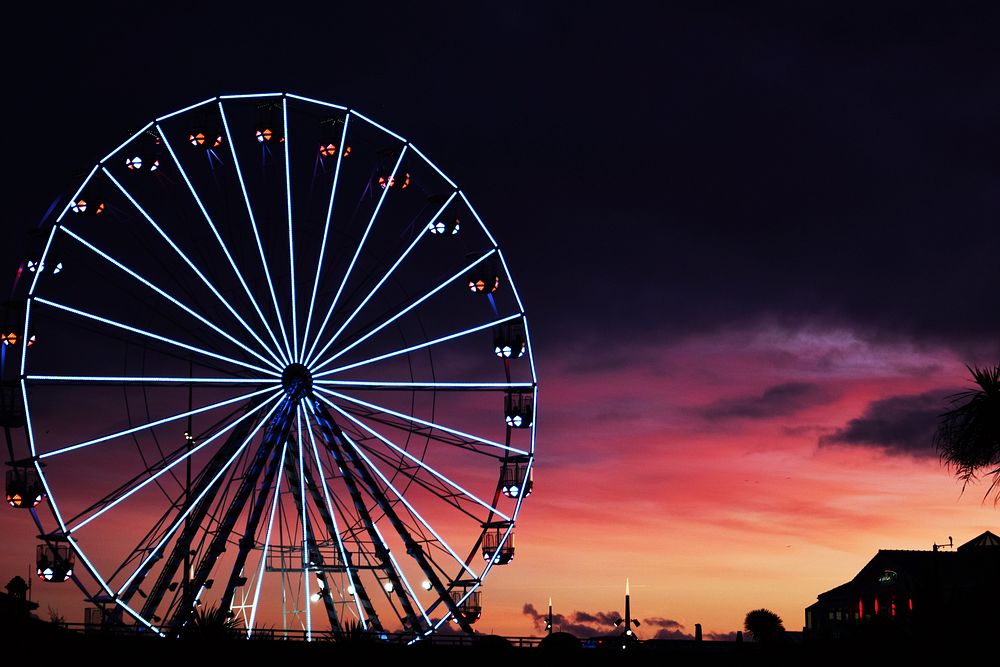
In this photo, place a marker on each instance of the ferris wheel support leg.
(181, 547)
(312, 557)
(366, 611)
(413, 549)
(331, 527)
(330, 433)
(275, 433)
(253, 521)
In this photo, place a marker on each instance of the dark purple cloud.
(779, 400)
(898, 424)
(593, 624)
(579, 624)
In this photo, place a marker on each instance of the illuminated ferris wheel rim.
(297, 363)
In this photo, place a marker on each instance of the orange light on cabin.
(329, 149)
(391, 181)
(200, 140)
(480, 285)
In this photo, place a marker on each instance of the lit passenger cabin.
(328, 149)
(54, 562)
(87, 205)
(143, 154)
(447, 225)
(24, 488)
(401, 180)
(518, 408)
(470, 605)
(34, 266)
(509, 340)
(484, 278)
(205, 139)
(500, 554)
(264, 135)
(516, 478)
(139, 163)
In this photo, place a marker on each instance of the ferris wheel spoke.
(291, 250)
(153, 336)
(426, 386)
(267, 541)
(326, 233)
(354, 259)
(287, 353)
(167, 296)
(388, 484)
(424, 422)
(398, 315)
(416, 461)
(158, 422)
(87, 379)
(330, 519)
(430, 484)
(180, 253)
(420, 346)
(164, 468)
(155, 552)
(218, 238)
(420, 235)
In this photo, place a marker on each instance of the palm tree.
(968, 435)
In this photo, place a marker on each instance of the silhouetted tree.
(968, 435)
(763, 625)
(211, 623)
(353, 634)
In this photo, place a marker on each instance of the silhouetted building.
(915, 593)
(14, 604)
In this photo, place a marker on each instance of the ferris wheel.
(281, 370)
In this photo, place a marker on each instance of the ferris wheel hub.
(296, 380)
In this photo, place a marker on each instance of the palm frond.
(968, 435)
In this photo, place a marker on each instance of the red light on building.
(876, 605)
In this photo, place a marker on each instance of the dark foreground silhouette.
(59, 643)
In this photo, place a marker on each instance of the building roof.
(912, 566)
(987, 539)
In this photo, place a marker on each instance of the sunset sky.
(758, 249)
